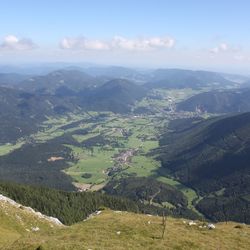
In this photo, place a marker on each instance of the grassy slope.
(15, 223)
(136, 232)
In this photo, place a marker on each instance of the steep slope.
(68, 207)
(213, 158)
(22, 112)
(224, 101)
(179, 78)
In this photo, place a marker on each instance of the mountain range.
(28, 106)
(178, 78)
(210, 155)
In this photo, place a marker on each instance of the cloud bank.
(223, 47)
(117, 42)
(11, 42)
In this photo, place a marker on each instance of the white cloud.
(82, 43)
(239, 57)
(142, 43)
(11, 42)
(222, 47)
(118, 42)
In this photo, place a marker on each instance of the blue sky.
(147, 33)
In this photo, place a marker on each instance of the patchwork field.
(115, 147)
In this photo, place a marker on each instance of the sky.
(196, 34)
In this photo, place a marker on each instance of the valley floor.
(103, 145)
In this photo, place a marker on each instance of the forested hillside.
(223, 101)
(179, 78)
(68, 207)
(72, 207)
(213, 158)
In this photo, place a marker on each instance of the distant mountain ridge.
(154, 78)
(72, 79)
(117, 95)
(179, 78)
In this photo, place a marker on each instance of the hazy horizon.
(15, 67)
(148, 34)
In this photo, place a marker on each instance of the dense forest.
(30, 164)
(226, 208)
(146, 189)
(68, 207)
(224, 101)
(72, 207)
(212, 157)
(151, 195)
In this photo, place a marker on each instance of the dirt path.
(153, 196)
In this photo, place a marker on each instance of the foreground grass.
(122, 230)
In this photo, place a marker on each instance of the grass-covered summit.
(21, 229)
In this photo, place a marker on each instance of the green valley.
(105, 146)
